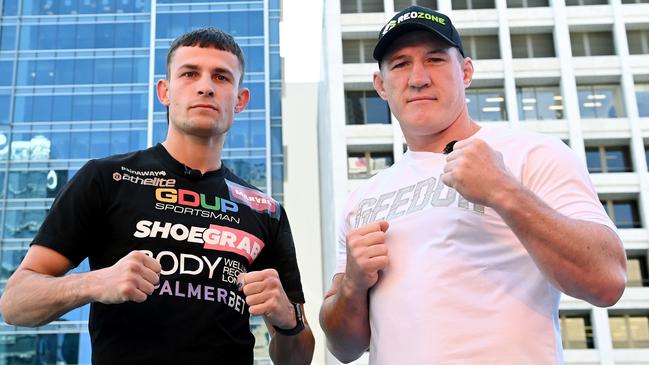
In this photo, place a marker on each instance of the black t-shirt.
(204, 230)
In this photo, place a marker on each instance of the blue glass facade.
(77, 81)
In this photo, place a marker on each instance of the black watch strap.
(299, 319)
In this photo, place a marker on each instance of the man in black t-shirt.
(181, 250)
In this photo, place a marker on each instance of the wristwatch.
(298, 327)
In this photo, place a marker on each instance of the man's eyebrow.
(187, 66)
(438, 51)
(222, 70)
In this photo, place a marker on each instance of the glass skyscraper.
(77, 81)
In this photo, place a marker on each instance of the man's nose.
(206, 87)
(419, 76)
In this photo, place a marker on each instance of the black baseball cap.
(417, 18)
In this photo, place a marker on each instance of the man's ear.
(162, 87)
(467, 68)
(378, 85)
(243, 97)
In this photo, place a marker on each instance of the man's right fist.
(367, 254)
(132, 278)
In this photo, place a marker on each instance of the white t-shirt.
(460, 288)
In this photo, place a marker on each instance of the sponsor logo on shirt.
(215, 237)
(430, 192)
(148, 181)
(174, 264)
(254, 199)
(193, 199)
(182, 201)
(144, 173)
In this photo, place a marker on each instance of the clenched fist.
(132, 278)
(265, 296)
(477, 172)
(367, 254)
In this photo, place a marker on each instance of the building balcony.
(630, 356)
(535, 68)
(606, 128)
(616, 183)
(597, 65)
(581, 356)
(359, 73)
(589, 15)
(633, 298)
(634, 238)
(362, 24)
(369, 134)
(524, 18)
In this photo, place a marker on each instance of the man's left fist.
(265, 296)
(477, 172)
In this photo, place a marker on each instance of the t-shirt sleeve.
(556, 175)
(69, 226)
(342, 229)
(284, 260)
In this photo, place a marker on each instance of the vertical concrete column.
(568, 82)
(631, 106)
(602, 334)
(508, 68)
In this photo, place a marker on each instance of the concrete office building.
(575, 69)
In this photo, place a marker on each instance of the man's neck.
(459, 130)
(198, 153)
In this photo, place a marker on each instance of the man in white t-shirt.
(457, 254)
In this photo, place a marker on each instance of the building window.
(361, 6)
(362, 165)
(539, 103)
(482, 47)
(366, 107)
(608, 159)
(646, 155)
(629, 331)
(473, 4)
(576, 331)
(638, 41)
(623, 212)
(41, 348)
(592, 43)
(526, 3)
(532, 45)
(585, 2)
(635, 1)
(642, 98)
(600, 101)
(358, 50)
(636, 269)
(486, 105)
(402, 4)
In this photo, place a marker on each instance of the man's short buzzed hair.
(206, 38)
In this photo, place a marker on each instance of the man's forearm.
(583, 259)
(292, 350)
(344, 317)
(41, 298)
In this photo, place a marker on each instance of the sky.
(301, 39)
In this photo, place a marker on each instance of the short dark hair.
(207, 37)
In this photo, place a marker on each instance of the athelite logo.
(147, 181)
(254, 199)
